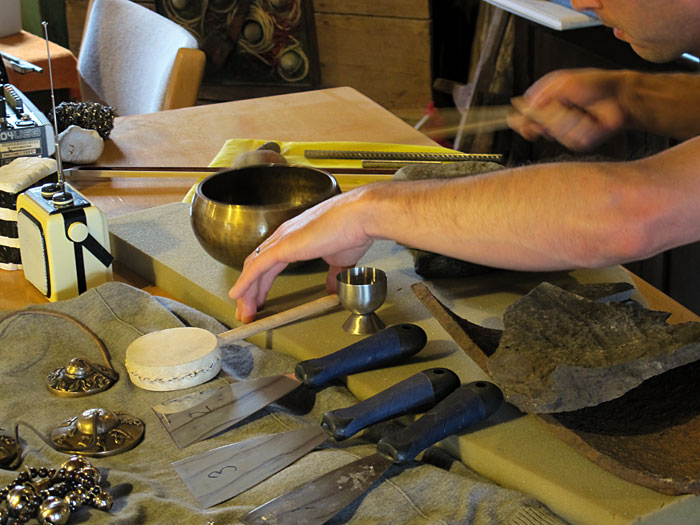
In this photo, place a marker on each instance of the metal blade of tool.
(323, 498)
(227, 405)
(114, 172)
(222, 473)
(347, 178)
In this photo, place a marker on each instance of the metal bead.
(4, 516)
(74, 499)
(75, 463)
(91, 473)
(54, 511)
(103, 501)
(18, 498)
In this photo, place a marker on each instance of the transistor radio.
(63, 237)
(64, 250)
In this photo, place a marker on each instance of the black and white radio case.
(64, 251)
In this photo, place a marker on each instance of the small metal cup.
(361, 291)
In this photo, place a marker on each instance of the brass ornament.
(10, 452)
(50, 495)
(53, 510)
(80, 378)
(98, 433)
(19, 499)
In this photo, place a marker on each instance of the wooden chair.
(136, 60)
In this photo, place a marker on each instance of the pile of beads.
(49, 495)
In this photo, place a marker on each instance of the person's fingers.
(585, 135)
(331, 281)
(551, 121)
(608, 114)
(257, 157)
(245, 310)
(249, 275)
(590, 128)
(259, 272)
(265, 282)
(526, 128)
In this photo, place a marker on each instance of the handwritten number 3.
(217, 473)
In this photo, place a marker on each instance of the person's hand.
(578, 108)
(268, 153)
(332, 230)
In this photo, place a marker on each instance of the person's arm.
(543, 217)
(580, 108)
(667, 104)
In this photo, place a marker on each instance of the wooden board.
(385, 58)
(404, 9)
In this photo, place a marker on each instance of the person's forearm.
(663, 103)
(547, 217)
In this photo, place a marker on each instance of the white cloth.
(22, 172)
(127, 54)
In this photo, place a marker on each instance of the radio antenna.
(56, 192)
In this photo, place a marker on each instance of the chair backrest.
(136, 60)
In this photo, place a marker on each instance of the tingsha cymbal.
(97, 433)
(80, 378)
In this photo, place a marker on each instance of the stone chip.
(561, 352)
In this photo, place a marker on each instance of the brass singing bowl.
(234, 211)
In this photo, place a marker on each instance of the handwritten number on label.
(196, 414)
(214, 474)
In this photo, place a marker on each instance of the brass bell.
(98, 433)
(10, 452)
(103, 501)
(76, 463)
(54, 511)
(19, 498)
(81, 378)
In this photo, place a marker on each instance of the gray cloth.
(146, 488)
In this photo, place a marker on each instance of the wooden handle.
(298, 312)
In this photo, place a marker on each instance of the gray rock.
(446, 170)
(433, 265)
(561, 352)
(80, 146)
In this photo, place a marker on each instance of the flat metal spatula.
(323, 498)
(195, 417)
(222, 473)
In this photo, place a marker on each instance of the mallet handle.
(274, 321)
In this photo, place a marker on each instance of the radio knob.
(77, 232)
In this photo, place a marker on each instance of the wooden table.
(32, 48)
(193, 137)
(511, 452)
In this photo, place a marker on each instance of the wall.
(382, 48)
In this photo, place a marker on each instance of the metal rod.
(400, 155)
(59, 165)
